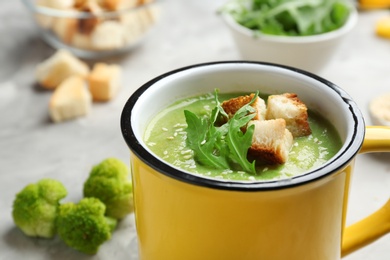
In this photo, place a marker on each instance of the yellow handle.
(373, 4)
(377, 139)
(367, 230)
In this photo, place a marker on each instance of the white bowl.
(310, 53)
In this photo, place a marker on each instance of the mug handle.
(366, 231)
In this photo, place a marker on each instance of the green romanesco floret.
(35, 207)
(84, 226)
(110, 182)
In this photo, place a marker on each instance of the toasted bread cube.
(127, 4)
(138, 23)
(290, 108)
(91, 6)
(51, 72)
(65, 28)
(42, 19)
(70, 100)
(110, 4)
(87, 26)
(232, 105)
(271, 141)
(108, 35)
(133, 26)
(81, 40)
(104, 81)
(80, 3)
(57, 4)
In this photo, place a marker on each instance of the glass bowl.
(94, 29)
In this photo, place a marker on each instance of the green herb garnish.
(238, 141)
(289, 17)
(221, 146)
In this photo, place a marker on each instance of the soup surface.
(166, 137)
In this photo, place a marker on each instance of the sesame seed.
(164, 129)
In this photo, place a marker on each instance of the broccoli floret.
(109, 182)
(84, 226)
(35, 207)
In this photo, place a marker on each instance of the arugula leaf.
(218, 147)
(289, 17)
(238, 141)
(201, 138)
(219, 107)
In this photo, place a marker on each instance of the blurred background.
(187, 32)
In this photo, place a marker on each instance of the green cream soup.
(166, 137)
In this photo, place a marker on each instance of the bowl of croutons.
(94, 28)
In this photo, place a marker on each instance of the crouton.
(108, 35)
(271, 141)
(290, 108)
(110, 4)
(70, 100)
(91, 6)
(127, 4)
(137, 23)
(87, 25)
(43, 20)
(51, 72)
(104, 81)
(81, 41)
(58, 4)
(65, 28)
(232, 105)
(80, 3)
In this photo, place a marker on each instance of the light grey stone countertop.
(32, 147)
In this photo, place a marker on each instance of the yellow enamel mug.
(183, 216)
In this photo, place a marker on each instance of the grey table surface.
(32, 147)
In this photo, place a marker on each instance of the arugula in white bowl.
(289, 17)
